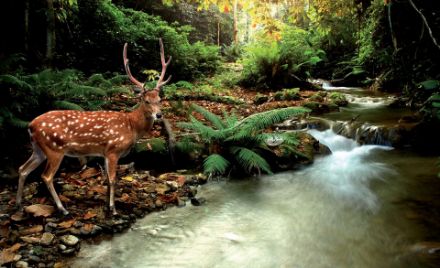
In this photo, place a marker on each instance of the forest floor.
(40, 237)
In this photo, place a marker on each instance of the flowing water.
(348, 209)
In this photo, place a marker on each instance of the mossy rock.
(287, 94)
(317, 107)
(338, 99)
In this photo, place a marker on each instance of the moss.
(287, 94)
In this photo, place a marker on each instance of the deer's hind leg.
(31, 164)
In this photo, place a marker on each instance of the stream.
(361, 206)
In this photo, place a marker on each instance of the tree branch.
(426, 23)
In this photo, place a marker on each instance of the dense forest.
(238, 67)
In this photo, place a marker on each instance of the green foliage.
(287, 94)
(100, 28)
(270, 64)
(26, 96)
(232, 52)
(215, 164)
(233, 143)
(431, 108)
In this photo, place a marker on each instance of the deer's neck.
(141, 120)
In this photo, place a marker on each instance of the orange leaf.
(8, 255)
(40, 210)
(226, 8)
(66, 224)
(89, 214)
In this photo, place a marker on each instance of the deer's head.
(150, 99)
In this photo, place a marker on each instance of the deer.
(107, 134)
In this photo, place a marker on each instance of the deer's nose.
(158, 116)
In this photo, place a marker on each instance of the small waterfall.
(348, 172)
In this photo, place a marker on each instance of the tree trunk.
(50, 34)
(218, 32)
(235, 22)
(26, 26)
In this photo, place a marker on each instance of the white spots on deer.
(43, 124)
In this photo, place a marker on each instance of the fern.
(257, 122)
(215, 164)
(207, 133)
(66, 105)
(16, 122)
(188, 146)
(214, 119)
(15, 82)
(250, 160)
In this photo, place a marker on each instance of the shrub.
(269, 64)
(240, 144)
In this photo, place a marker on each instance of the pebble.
(21, 264)
(69, 240)
(50, 226)
(47, 239)
(198, 201)
(34, 258)
(180, 203)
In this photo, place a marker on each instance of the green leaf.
(436, 104)
(214, 119)
(250, 160)
(215, 164)
(430, 84)
(67, 105)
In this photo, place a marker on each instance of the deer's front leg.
(52, 165)
(111, 163)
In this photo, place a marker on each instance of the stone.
(68, 251)
(192, 191)
(180, 203)
(62, 247)
(158, 203)
(34, 258)
(47, 239)
(69, 240)
(198, 201)
(21, 264)
(173, 185)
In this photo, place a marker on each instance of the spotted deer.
(108, 134)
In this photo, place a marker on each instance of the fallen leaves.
(40, 210)
(8, 255)
(89, 214)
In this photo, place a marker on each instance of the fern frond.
(230, 119)
(215, 164)
(67, 105)
(98, 80)
(116, 90)
(17, 122)
(250, 160)
(213, 118)
(188, 145)
(85, 91)
(206, 133)
(260, 121)
(118, 79)
(14, 81)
